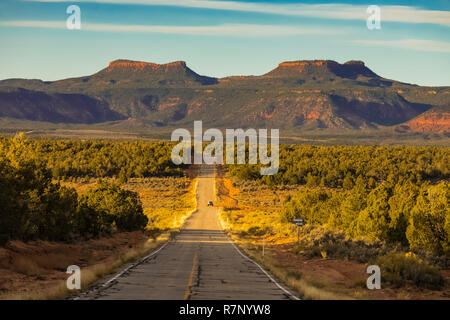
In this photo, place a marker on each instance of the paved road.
(201, 263)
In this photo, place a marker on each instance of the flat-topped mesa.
(357, 67)
(303, 63)
(173, 73)
(131, 65)
(356, 63)
(303, 67)
(317, 68)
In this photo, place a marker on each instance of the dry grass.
(53, 287)
(98, 271)
(251, 210)
(167, 201)
(306, 289)
(26, 266)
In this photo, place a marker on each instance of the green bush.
(256, 231)
(32, 207)
(314, 206)
(118, 208)
(373, 220)
(316, 241)
(89, 222)
(428, 224)
(400, 269)
(404, 214)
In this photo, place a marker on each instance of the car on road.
(210, 203)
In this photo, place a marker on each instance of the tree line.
(340, 166)
(92, 158)
(35, 206)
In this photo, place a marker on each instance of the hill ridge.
(309, 94)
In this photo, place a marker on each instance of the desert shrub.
(347, 211)
(32, 207)
(314, 206)
(255, 231)
(373, 220)
(400, 206)
(429, 220)
(397, 214)
(90, 223)
(258, 231)
(116, 207)
(245, 172)
(316, 241)
(400, 269)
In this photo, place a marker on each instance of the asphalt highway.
(200, 263)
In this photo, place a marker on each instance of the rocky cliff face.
(433, 121)
(58, 107)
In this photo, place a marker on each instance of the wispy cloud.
(409, 44)
(406, 14)
(235, 30)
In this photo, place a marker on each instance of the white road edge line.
(134, 265)
(140, 261)
(128, 268)
(229, 240)
(219, 224)
(265, 272)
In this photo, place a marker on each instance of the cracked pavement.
(201, 263)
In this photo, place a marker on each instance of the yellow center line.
(187, 293)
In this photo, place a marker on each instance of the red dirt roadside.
(31, 270)
(348, 277)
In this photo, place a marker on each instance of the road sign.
(298, 222)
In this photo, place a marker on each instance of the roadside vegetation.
(371, 205)
(37, 206)
(37, 269)
(78, 159)
(33, 207)
(166, 201)
(98, 220)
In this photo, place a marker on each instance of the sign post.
(298, 222)
(264, 240)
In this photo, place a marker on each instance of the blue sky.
(221, 38)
